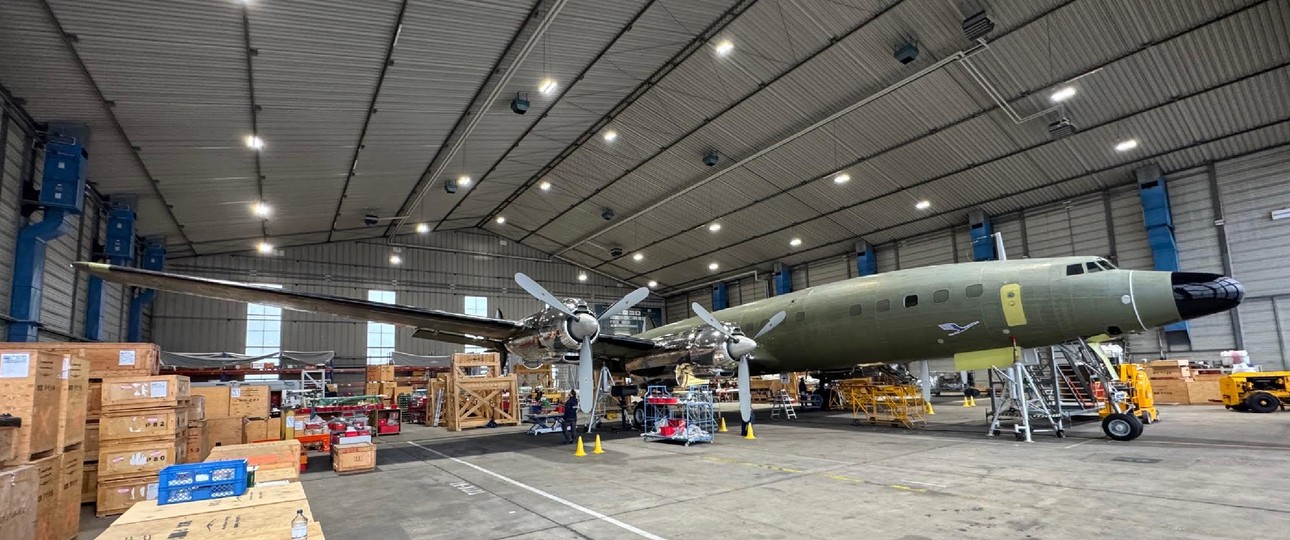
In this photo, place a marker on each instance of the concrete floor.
(1202, 472)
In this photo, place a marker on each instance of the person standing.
(570, 420)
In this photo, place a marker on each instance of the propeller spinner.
(740, 347)
(584, 328)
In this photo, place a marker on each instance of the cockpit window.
(1074, 269)
(1105, 264)
(1092, 267)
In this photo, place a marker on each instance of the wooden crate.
(140, 392)
(94, 400)
(105, 359)
(18, 489)
(48, 477)
(8, 441)
(115, 496)
(69, 493)
(372, 389)
(1204, 392)
(538, 377)
(91, 442)
(380, 373)
(462, 363)
(1170, 392)
(166, 422)
(139, 457)
(256, 496)
(73, 386)
(198, 441)
(260, 522)
(196, 408)
(261, 429)
(474, 401)
(225, 431)
(249, 400)
(266, 455)
(351, 458)
(29, 390)
(89, 482)
(214, 400)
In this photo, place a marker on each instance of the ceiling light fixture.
(261, 209)
(582, 276)
(548, 86)
(264, 248)
(653, 284)
(795, 242)
(841, 178)
(714, 227)
(1125, 146)
(463, 181)
(423, 228)
(713, 266)
(923, 205)
(501, 220)
(1062, 94)
(638, 257)
(255, 143)
(725, 47)
(396, 260)
(610, 135)
(545, 186)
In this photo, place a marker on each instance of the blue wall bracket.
(118, 249)
(982, 233)
(782, 279)
(154, 258)
(866, 259)
(720, 296)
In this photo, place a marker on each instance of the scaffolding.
(900, 405)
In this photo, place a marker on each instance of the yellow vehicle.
(1123, 415)
(1256, 391)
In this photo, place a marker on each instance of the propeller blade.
(541, 294)
(586, 387)
(774, 321)
(626, 302)
(708, 318)
(745, 391)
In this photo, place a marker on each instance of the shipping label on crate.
(158, 388)
(139, 493)
(16, 365)
(67, 368)
(125, 358)
(235, 391)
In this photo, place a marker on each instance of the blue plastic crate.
(201, 481)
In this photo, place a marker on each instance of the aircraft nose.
(1199, 294)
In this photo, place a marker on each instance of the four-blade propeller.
(584, 328)
(740, 347)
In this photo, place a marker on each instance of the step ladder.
(782, 403)
(438, 407)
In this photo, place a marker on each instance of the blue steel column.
(118, 249)
(982, 234)
(782, 279)
(1157, 216)
(866, 259)
(720, 296)
(62, 194)
(154, 258)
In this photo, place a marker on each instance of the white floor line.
(923, 483)
(1077, 444)
(573, 505)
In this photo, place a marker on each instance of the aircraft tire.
(1262, 402)
(1146, 418)
(1121, 427)
(638, 415)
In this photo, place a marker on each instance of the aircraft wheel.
(1262, 402)
(638, 415)
(855, 421)
(1121, 427)
(1146, 418)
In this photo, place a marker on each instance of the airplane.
(976, 313)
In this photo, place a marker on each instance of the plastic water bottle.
(299, 526)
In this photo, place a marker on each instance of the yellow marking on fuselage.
(1013, 310)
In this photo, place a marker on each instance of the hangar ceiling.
(370, 107)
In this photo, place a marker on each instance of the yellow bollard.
(750, 435)
(598, 449)
(580, 452)
(723, 425)
(929, 408)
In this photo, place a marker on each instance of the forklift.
(1256, 391)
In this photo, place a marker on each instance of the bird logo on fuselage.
(954, 329)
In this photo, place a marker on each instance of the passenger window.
(1074, 269)
(884, 305)
(911, 300)
(800, 316)
(941, 296)
(974, 291)
(855, 310)
(1092, 267)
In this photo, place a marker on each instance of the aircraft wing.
(624, 347)
(431, 324)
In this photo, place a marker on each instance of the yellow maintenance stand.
(1134, 381)
(1256, 391)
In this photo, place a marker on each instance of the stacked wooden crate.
(41, 475)
(476, 400)
(262, 512)
(273, 461)
(237, 414)
(1175, 382)
(380, 382)
(143, 429)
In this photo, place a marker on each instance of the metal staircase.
(1051, 384)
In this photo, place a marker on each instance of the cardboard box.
(1170, 391)
(256, 496)
(117, 496)
(91, 443)
(225, 431)
(265, 521)
(1204, 392)
(73, 385)
(249, 400)
(94, 400)
(265, 456)
(139, 457)
(196, 408)
(198, 441)
(18, 489)
(166, 422)
(355, 457)
(89, 482)
(380, 373)
(139, 392)
(29, 390)
(214, 400)
(69, 493)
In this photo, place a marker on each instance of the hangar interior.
(717, 153)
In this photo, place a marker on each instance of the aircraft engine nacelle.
(701, 348)
(550, 342)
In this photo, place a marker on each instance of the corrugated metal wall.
(1110, 224)
(438, 272)
(13, 143)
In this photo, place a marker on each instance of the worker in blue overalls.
(570, 420)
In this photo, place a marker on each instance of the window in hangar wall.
(263, 334)
(380, 336)
(478, 306)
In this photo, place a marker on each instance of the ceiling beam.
(371, 110)
(255, 109)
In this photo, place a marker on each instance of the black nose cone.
(1198, 294)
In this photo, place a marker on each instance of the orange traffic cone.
(580, 452)
(598, 449)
